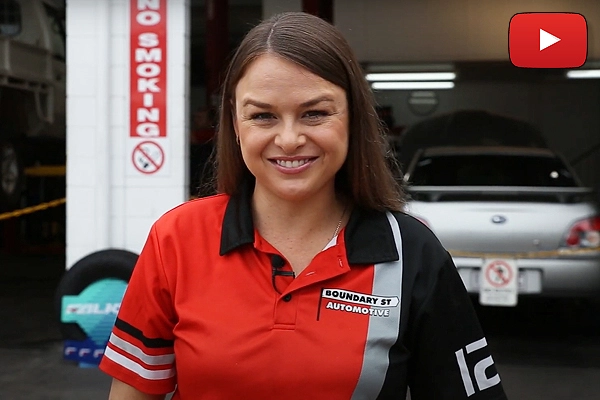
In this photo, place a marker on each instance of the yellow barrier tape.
(32, 209)
(528, 254)
(46, 170)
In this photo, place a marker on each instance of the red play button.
(547, 40)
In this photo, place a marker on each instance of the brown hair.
(367, 176)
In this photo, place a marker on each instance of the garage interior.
(538, 339)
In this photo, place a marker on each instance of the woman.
(302, 278)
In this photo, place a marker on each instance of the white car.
(516, 221)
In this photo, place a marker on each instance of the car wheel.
(98, 266)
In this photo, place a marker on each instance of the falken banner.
(94, 310)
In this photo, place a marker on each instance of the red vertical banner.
(148, 70)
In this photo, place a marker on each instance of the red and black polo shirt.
(381, 309)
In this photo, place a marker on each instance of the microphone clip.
(277, 262)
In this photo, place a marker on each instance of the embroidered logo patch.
(359, 303)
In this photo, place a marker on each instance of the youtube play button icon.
(547, 40)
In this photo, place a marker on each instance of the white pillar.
(120, 177)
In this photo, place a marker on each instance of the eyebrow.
(256, 103)
(308, 103)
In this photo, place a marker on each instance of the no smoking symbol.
(148, 157)
(499, 273)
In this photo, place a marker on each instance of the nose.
(289, 137)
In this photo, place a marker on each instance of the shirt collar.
(368, 235)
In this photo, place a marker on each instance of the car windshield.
(491, 170)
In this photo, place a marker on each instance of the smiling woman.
(304, 267)
(314, 53)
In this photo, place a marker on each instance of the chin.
(297, 190)
(294, 192)
(295, 195)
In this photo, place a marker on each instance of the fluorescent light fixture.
(411, 85)
(412, 76)
(409, 67)
(584, 74)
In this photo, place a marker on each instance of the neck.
(296, 218)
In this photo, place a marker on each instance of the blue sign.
(95, 310)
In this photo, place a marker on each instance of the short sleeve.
(140, 349)
(450, 358)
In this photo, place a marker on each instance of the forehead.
(273, 76)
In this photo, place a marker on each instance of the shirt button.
(287, 297)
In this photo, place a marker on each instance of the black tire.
(111, 263)
(12, 177)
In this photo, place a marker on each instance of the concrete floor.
(31, 364)
(38, 372)
(543, 350)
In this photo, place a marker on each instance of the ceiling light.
(411, 76)
(410, 67)
(411, 85)
(584, 74)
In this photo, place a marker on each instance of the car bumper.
(552, 277)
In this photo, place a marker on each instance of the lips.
(292, 165)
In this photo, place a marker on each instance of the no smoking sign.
(148, 157)
(498, 283)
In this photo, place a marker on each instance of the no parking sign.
(498, 282)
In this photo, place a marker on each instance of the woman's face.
(292, 127)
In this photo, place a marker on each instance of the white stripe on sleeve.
(139, 353)
(137, 368)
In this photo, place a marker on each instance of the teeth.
(291, 164)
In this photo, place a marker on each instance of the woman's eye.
(315, 114)
(261, 116)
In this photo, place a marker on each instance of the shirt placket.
(326, 265)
